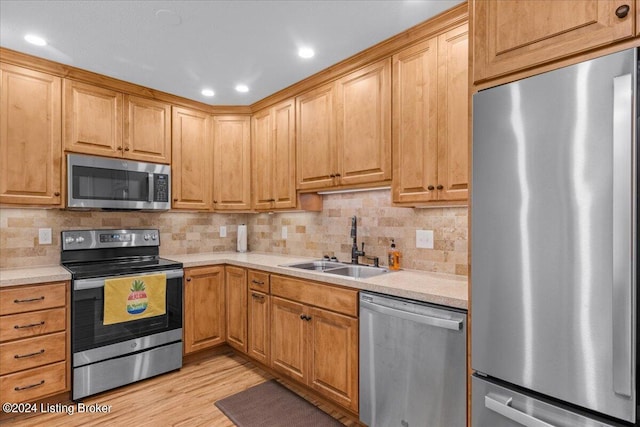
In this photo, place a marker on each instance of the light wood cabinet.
(204, 308)
(363, 125)
(344, 131)
(510, 36)
(34, 344)
(92, 119)
(147, 130)
(105, 122)
(273, 157)
(236, 300)
(192, 154)
(314, 337)
(431, 120)
(259, 316)
(232, 162)
(30, 137)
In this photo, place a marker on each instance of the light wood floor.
(182, 398)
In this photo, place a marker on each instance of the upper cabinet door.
(514, 35)
(232, 162)
(92, 119)
(284, 155)
(315, 139)
(261, 154)
(147, 130)
(453, 114)
(363, 124)
(30, 137)
(192, 153)
(415, 123)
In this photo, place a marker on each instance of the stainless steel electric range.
(108, 355)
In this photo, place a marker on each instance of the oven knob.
(154, 237)
(80, 239)
(69, 239)
(146, 237)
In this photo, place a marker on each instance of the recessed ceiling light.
(36, 40)
(208, 92)
(242, 88)
(306, 52)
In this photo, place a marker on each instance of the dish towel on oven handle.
(134, 297)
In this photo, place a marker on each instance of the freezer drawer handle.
(623, 241)
(502, 405)
(453, 324)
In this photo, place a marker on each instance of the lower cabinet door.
(334, 356)
(204, 308)
(259, 339)
(236, 298)
(288, 343)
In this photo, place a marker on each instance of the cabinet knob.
(126, 149)
(440, 187)
(188, 279)
(623, 11)
(338, 175)
(431, 188)
(333, 175)
(119, 148)
(57, 193)
(215, 201)
(175, 200)
(303, 317)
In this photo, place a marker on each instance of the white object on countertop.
(242, 238)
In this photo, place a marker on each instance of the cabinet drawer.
(33, 384)
(31, 352)
(340, 300)
(30, 298)
(259, 281)
(24, 325)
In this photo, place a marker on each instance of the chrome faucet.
(355, 253)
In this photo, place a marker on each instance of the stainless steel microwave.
(98, 182)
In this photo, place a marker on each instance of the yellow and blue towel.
(133, 298)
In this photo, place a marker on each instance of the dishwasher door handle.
(453, 324)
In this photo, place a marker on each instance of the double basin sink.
(355, 271)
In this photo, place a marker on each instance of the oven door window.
(91, 183)
(88, 317)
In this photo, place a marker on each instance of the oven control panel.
(96, 239)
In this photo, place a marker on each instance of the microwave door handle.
(150, 197)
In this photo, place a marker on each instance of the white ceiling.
(181, 47)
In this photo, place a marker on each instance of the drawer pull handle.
(30, 325)
(22, 356)
(257, 296)
(257, 282)
(29, 386)
(18, 301)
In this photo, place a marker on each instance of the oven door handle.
(98, 282)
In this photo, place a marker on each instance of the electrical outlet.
(284, 232)
(44, 236)
(424, 239)
(223, 231)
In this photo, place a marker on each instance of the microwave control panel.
(160, 187)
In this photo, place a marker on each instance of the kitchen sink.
(340, 269)
(357, 271)
(320, 265)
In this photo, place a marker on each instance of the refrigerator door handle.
(453, 324)
(623, 240)
(502, 406)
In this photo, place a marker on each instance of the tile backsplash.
(308, 233)
(328, 232)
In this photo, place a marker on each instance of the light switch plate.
(284, 232)
(424, 239)
(223, 231)
(44, 236)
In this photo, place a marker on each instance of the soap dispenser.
(394, 257)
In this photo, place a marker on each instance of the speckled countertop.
(443, 289)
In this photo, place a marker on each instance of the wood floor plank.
(182, 398)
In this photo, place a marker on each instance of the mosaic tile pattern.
(308, 234)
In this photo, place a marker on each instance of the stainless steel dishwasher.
(412, 363)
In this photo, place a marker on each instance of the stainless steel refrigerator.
(554, 248)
